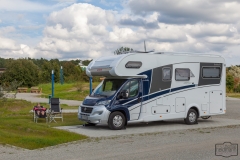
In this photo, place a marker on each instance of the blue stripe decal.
(167, 91)
(158, 94)
(183, 87)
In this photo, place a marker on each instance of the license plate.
(84, 117)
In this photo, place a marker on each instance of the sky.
(88, 29)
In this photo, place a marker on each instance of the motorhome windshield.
(108, 87)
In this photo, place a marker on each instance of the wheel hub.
(192, 117)
(117, 121)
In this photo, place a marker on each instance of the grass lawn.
(18, 129)
(235, 95)
(71, 91)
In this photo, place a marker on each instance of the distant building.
(82, 66)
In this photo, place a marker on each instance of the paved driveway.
(152, 127)
(35, 98)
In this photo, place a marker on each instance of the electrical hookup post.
(90, 85)
(61, 75)
(52, 83)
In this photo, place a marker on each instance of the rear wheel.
(116, 121)
(192, 117)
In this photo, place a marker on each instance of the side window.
(182, 74)
(166, 74)
(211, 72)
(132, 87)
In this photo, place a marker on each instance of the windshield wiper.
(100, 95)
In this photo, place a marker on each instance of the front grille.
(86, 110)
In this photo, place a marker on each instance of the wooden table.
(36, 90)
(22, 89)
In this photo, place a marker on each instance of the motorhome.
(145, 87)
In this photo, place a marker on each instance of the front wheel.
(192, 117)
(116, 121)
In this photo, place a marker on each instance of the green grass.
(18, 129)
(70, 91)
(235, 95)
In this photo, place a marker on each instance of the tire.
(205, 117)
(192, 117)
(116, 121)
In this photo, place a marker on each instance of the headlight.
(103, 103)
(97, 113)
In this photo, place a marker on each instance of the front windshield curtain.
(108, 87)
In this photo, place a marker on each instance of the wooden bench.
(36, 90)
(22, 89)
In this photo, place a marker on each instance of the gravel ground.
(233, 109)
(187, 144)
(180, 144)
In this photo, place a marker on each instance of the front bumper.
(98, 115)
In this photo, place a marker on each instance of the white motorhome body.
(144, 87)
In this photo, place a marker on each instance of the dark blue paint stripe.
(167, 91)
(158, 94)
(183, 87)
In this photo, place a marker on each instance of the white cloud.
(185, 11)
(22, 5)
(86, 31)
(6, 30)
(8, 44)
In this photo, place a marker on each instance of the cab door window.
(132, 87)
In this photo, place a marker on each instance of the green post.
(49, 97)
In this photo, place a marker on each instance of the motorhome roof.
(173, 53)
(115, 65)
(187, 54)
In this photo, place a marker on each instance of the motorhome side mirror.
(124, 94)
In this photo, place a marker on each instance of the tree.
(86, 62)
(6, 88)
(71, 72)
(46, 71)
(21, 70)
(235, 72)
(122, 50)
(229, 82)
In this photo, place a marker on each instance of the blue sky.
(71, 29)
(30, 23)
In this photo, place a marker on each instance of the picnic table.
(22, 89)
(36, 90)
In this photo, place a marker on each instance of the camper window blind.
(166, 74)
(182, 74)
(211, 72)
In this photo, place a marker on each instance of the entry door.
(133, 102)
(216, 101)
(180, 104)
(145, 91)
